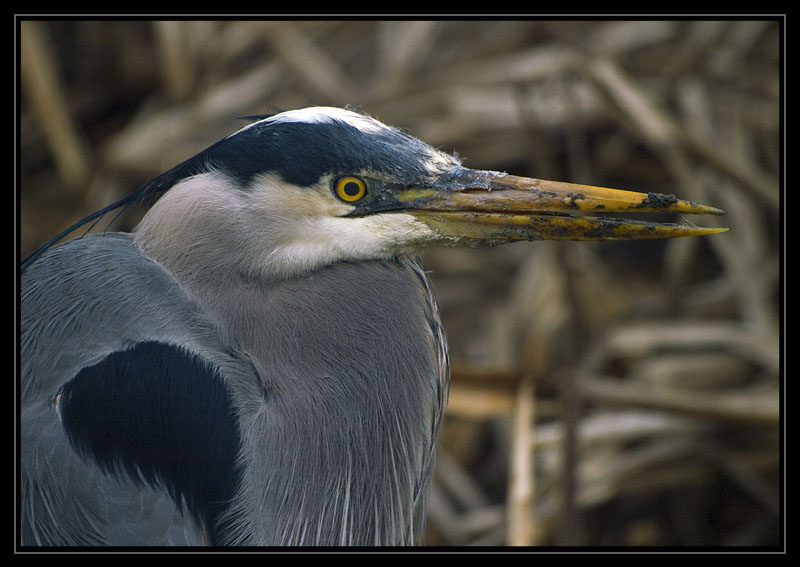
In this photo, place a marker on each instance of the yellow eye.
(350, 189)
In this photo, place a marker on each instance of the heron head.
(302, 189)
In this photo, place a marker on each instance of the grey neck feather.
(345, 394)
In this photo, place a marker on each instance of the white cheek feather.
(294, 231)
(326, 240)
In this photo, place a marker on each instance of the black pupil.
(351, 188)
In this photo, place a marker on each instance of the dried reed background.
(602, 393)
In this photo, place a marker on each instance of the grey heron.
(261, 361)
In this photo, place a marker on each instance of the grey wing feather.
(81, 302)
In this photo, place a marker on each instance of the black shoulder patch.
(157, 411)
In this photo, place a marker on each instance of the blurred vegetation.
(602, 393)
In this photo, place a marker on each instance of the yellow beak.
(486, 208)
